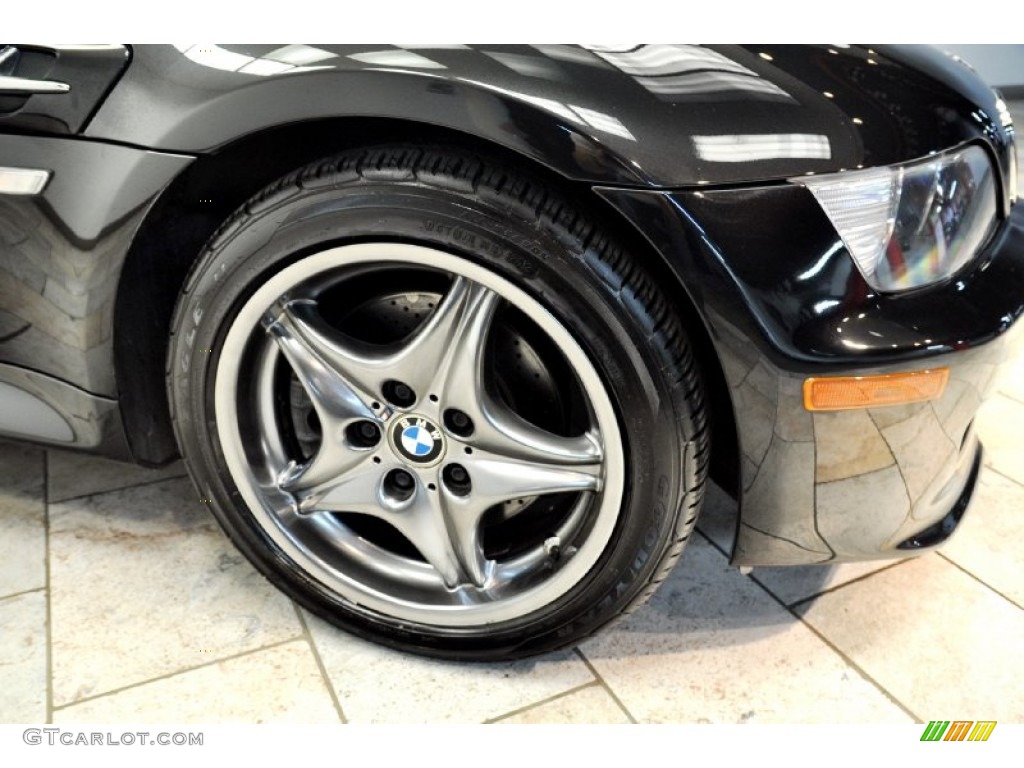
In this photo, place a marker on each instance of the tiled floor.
(121, 601)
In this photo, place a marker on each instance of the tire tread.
(557, 215)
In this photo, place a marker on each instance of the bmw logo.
(417, 439)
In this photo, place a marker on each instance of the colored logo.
(958, 730)
(417, 439)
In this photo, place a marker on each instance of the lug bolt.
(398, 393)
(457, 479)
(399, 484)
(458, 423)
(363, 434)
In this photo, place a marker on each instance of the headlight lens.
(912, 225)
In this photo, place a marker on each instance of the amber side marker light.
(843, 393)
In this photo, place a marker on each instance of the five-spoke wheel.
(414, 434)
(437, 405)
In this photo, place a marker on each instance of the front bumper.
(782, 301)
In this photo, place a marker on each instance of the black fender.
(651, 116)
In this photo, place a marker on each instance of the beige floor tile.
(988, 541)
(1012, 380)
(999, 425)
(799, 582)
(711, 646)
(23, 659)
(278, 685)
(70, 475)
(589, 705)
(940, 642)
(22, 519)
(376, 685)
(144, 584)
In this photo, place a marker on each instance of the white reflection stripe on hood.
(767, 146)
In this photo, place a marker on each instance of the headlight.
(914, 224)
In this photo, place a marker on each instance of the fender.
(649, 116)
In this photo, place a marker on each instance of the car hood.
(732, 114)
(648, 115)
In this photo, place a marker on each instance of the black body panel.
(800, 297)
(782, 301)
(89, 70)
(687, 148)
(658, 115)
(61, 253)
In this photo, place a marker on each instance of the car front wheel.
(437, 405)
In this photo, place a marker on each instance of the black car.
(452, 338)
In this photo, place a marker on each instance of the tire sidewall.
(545, 261)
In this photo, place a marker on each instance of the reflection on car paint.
(762, 265)
(691, 73)
(749, 147)
(847, 485)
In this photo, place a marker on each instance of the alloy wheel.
(407, 469)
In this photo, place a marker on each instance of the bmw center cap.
(417, 440)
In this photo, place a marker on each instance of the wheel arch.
(212, 187)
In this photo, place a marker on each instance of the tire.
(437, 405)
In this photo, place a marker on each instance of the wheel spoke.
(319, 362)
(464, 531)
(355, 490)
(459, 378)
(445, 532)
(332, 460)
(452, 348)
(452, 336)
(496, 479)
(502, 432)
(447, 540)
